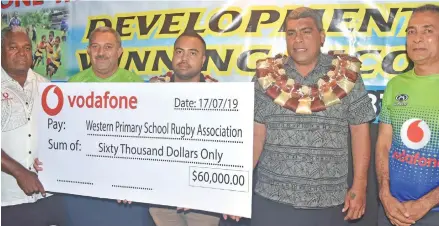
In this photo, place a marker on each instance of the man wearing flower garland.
(187, 62)
(305, 106)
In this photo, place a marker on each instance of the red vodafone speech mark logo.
(415, 133)
(57, 91)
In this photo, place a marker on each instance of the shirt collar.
(7, 78)
(202, 79)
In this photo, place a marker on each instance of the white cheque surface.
(184, 145)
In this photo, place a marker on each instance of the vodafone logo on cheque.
(415, 133)
(52, 100)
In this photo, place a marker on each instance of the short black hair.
(427, 8)
(305, 12)
(194, 34)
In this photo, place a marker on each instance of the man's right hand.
(29, 182)
(395, 211)
(235, 218)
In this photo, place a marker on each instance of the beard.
(187, 75)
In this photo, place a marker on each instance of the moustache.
(184, 64)
(101, 57)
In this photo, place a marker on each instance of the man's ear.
(322, 38)
(119, 52)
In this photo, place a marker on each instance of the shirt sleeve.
(263, 103)
(360, 105)
(385, 105)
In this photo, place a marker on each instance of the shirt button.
(30, 152)
(28, 119)
(30, 168)
(29, 135)
(27, 103)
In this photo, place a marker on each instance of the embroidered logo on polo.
(401, 100)
(5, 96)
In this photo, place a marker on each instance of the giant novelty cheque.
(190, 147)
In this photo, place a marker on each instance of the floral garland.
(167, 78)
(302, 99)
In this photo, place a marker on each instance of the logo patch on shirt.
(5, 96)
(415, 133)
(401, 100)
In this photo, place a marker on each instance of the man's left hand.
(354, 204)
(416, 208)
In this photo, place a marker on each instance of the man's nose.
(299, 37)
(100, 51)
(184, 56)
(22, 51)
(419, 37)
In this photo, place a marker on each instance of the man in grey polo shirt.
(305, 106)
